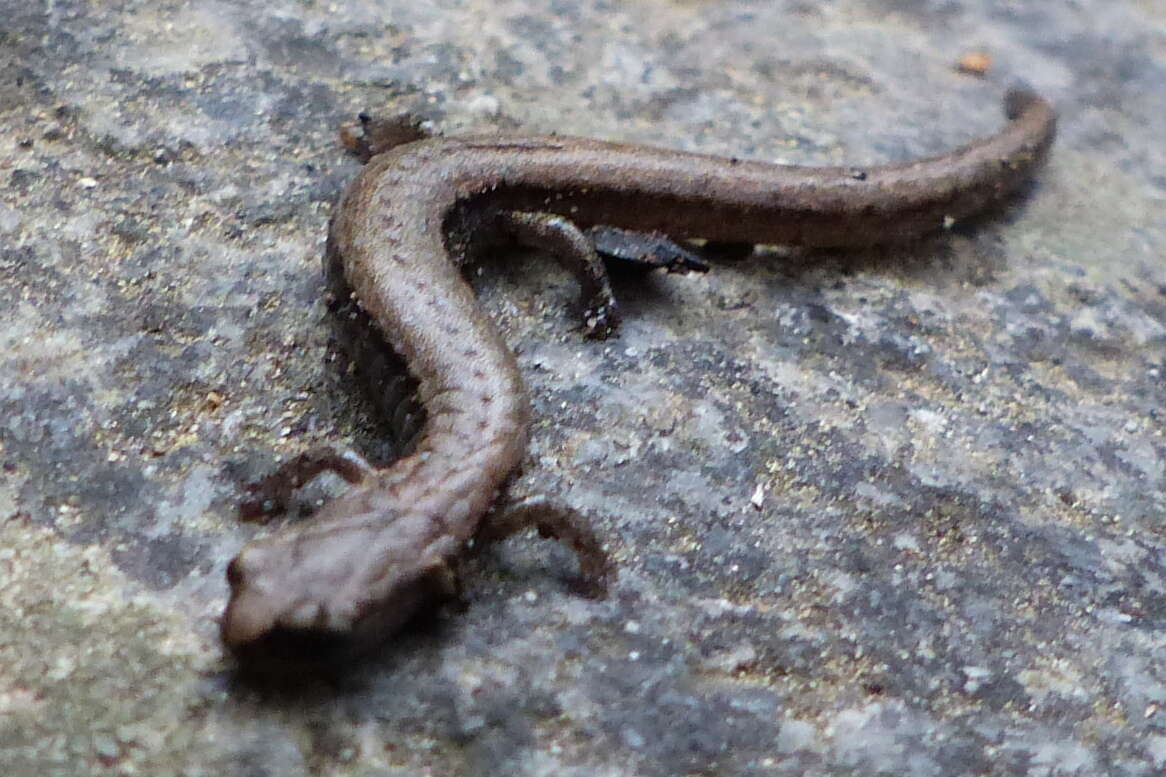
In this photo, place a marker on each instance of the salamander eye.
(249, 564)
(235, 571)
(246, 565)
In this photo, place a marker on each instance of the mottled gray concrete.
(955, 563)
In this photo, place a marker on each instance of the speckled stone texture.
(891, 512)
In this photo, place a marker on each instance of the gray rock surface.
(886, 512)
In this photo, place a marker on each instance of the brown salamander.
(372, 558)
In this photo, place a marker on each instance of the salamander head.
(294, 605)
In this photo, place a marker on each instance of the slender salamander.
(387, 548)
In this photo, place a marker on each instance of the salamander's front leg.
(560, 522)
(271, 495)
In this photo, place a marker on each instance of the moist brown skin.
(383, 551)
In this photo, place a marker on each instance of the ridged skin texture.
(371, 558)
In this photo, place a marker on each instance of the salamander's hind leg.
(559, 237)
(271, 495)
(554, 521)
(582, 254)
(372, 135)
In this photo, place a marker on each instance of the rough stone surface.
(888, 512)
